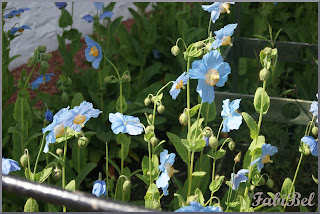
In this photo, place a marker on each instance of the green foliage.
(261, 101)
(31, 206)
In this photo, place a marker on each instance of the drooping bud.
(264, 74)
(57, 173)
(314, 131)
(270, 183)
(126, 78)
(44, 67)
(83, 142)
(149, 129)
(59, 151)
(183, 119)
(213, 142)
(175, 50)
(267, 50)
(154, 141)
(24, 160)
(32, 61)
(48, 116)
(64, 97)
(147, 101)
(107, 79)
(160, 109)
(206, 132)
(306, 150)
(42, 49)
(237, 158)
(126, 185)
(150, 116)
(231, 145)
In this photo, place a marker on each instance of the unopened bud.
(46, 57)
(149, 129)
(64, 97)
(126, 185)
(42, 49)
(270, 183)
(237, 158)
(44, 67)
(57, 173)
(175, 50)
(198, 44)
(150, 116)
(147, 101)
(216, 177)
(231, 145)
(183, 119)
(267, 50)
(126, 78)
(32, 61)
(252, 187)
(314, 131)
(24, 160)
(306, 150)
(264, 74)
(59, 151)
(83, 142)
(154, 141)
(107, 79)
(213, 142)
(206, 132)
(160, 109)
(262, 181)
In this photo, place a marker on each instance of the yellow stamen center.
(212, 77)
(266, 159)
(94, 52)
(58, 130)
(18, 15)
(79, 119)
(227, 40)
(21, 30)
(44, 78)
(224, 7)
(179, 85)
(170, 169)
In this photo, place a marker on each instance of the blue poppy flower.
(19, 29)
(197, 207)
(156, 54)
(238, 178)
(178, 84)
(216, 9)
(9, 165)
(99, 188)
(223, 36)
(98, 5)
(48, 115)
(167, 170)
(312, 143)
(16, 12)
(93, 52)
(125, 124)
(79, 115)
(210, 71)
(314, 108)
(106, 14)
(267, 151)
(41, 79)
(88, 18)
(232, 119)
(61, 5)
(56, 128)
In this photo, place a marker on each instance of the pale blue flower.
(223, 36)
(267, 151)
(314, 108)
(88, 18)
(98, 5)
(99, 188)
(216, 9)
(125, 124)
(178, 84)
(93, 52)
(238, 178)
(167, 170)
(19, 29)
(232, 119)
(197, 207)
(48, 115)
(16, 12)
(106, 14)
(41, 79)
(210, 71)
(312, 143)
(9, 165)
(61, 5)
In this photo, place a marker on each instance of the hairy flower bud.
(213, 142)
(24, 160)
(59, 151)
(147, 101)
(208, 46)
(32, 61)
(270, 183)
(83, 142)
(156, 205)
(264, 74)
(107, 79)
(154, 141)
(126, 185)
(42, 48)
(183, 119)
(175, 50)
(314, 131)
(160, 109)
(44, 67)
(150, 116)
(237, 158)
(149, 129)
(231, 145)
(267, 50)
(198, 44)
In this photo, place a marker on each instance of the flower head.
(98, 5)
(167, 170)
(56, 128)
(232, 119)
(125, 124)
(106, 14)
(16, 12)
(9, 165)
(48, 115)
(267, 151)
(41, 79)
(19, 29)
(79, 115)
(238, 178)
(178, 84)
(216, 9)
(61, 5)
(93, 52)
(314, 108)
(210, 71)
(197, 207)
(312, 143)
(88, 18)
(223, 36)
(99, 188)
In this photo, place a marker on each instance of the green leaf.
(83, 173)
(194, 110)
(182, 203)
(218, 154)
(71, 186)
(119, 187)
(43, 175)
(315, 179)
(199, 174)
(154, 165)
(149, 72)
(252, 125)
(244, 204)
(216, 184)
(77, 99)
(152, 196)
(31, 206)
(186, 143)
(15, 130)
(209, 111)
(200, 196)
(270, 194)
(194, 126)
(286, 187)
(180, 148)
(126, 141)
(303, 209)
(253, 146)
(258, 101)
(121, 102)
(198, 145)
(21, 106)
(65, 19)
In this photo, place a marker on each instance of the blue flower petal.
(99, 188)
(205, 91)
(106, 14)
(98, 5)
(9, 165)
(211, 209)
(312, 143)
(224, 70)
(268, 149)
(198, 70)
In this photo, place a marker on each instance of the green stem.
(107, 168)
(79, 152)
(38, 156)
(64, 168)
(231, 184)
(100, 83)
(122, 159)
(190, 173)
(22, 125)
(150, 166)
(188, 108)
(28, 79)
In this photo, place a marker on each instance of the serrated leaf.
(258, 103)
(252, 125)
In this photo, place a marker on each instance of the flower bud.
(192, 198)
(59, 151)
(24, 160)
(175, 50)
(306, 150)
(150, 116)
(216, 177)
(206, 132)
(267, 50)
(252, 187)
(270, 183)
(48, 115)
(264, 74)
(126, 185)
(237, 158)
(46, 57)
(183, 119)
(314, 131)
(44, 67)
(198, 44)
(160, 109)
(32, 61)
(107, 79)
(83, 142)
(154, 141)
(64, 97)
(126, 78)
(42, 49)
(213, 142)
(149, 129)
(262, 181)
(147, 101)
(57, 173)
(231, 145)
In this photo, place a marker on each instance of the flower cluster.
(103, 15)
